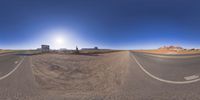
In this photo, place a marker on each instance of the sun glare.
(59, 40)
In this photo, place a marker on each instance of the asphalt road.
(166, 71)
(175, 68)
(17, 81)
(8, 62)
(149, 77)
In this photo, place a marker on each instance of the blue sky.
(117, 24)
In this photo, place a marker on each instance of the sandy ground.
(81, 74)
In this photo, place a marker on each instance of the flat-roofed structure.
(45, 48)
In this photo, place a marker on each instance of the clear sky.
(117, 24)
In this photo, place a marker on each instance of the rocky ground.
(81, 75)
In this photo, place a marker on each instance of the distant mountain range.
(171, 48)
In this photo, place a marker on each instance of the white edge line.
(163, 80)
(191, 77)
(5, 76)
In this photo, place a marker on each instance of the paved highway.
(17, 81)
(175, 68)
(8, 63)
(154, 77)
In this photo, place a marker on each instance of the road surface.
(140, 85)
(150, 77)
(17, 81)
(11, 61)
(175, 68)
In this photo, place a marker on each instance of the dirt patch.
(81, 74)
(158, 51)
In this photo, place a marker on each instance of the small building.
(95, 48)
(45, 48)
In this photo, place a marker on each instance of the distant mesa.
(177, 48)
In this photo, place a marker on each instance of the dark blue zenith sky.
(118, 24)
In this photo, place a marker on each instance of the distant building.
(95, 48)
(63, 49)
(45, 48)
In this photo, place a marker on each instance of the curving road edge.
(5, 76)
(160, 79)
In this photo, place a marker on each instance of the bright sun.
(59, 40)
